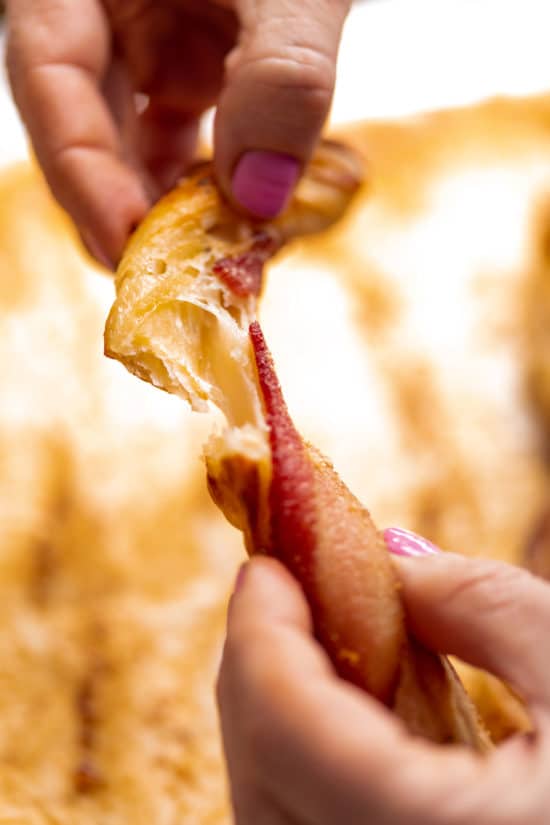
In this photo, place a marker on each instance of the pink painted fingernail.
(404, 543)
(263, 182)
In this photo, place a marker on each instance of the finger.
(249, 800)
(492, 615)
(119, 96)
(58, 54)
(158, 141)
(174, 54)
(166, 140)
(277, 94)
(295, 733)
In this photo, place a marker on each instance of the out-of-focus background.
(401, 57)
(411, 345)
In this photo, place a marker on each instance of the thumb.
(277, 94)
(489, 614)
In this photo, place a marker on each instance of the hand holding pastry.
(303, 746)
(75, 68)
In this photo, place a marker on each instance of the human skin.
(305, 748)
(75, 67)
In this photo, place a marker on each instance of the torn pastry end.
(189, 281)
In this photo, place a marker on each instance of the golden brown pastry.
(189, 280)
(184, 319)
(105, 523)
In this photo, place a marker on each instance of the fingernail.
(263, 182)
(241, 575)
(95, 251)
(404, 543)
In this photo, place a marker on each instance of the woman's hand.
(305, 748)
(75, 68)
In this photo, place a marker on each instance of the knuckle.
(301, 71)
(493, 590)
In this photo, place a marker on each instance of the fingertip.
(402, 542)
(268, 629)
(115, 230)
(239, 579)
(268, 594)
(263, 182)
(106, 241)
(95, 251)
(277, 94)
(104, 198)
(261, 575)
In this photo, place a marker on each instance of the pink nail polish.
(404, 543)
(263, 182)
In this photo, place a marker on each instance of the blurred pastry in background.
(399, 337)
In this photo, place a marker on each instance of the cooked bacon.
(322, 533)
(243, 273)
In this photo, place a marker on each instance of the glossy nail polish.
(404, 543)
(263, 182)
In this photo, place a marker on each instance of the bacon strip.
(243, 274)
(327, 539)
(329, 542)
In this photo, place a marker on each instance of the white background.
(404, 56)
